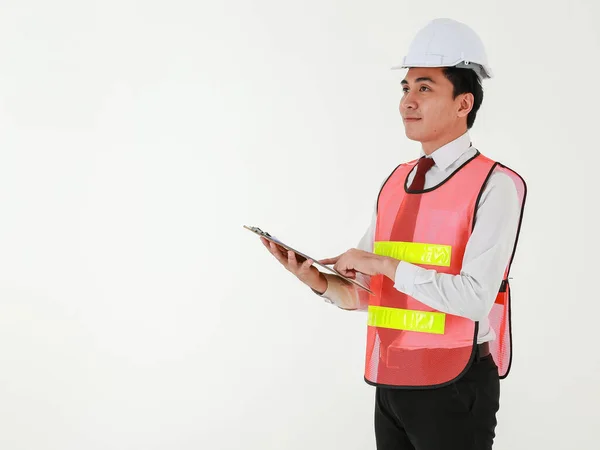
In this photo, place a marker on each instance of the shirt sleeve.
(473, 291)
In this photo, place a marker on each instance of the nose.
(408, 102)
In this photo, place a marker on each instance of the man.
(437, 256)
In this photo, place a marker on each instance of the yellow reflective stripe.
(406, 319)
(415, 252)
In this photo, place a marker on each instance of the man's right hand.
(301, 268)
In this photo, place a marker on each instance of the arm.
(472, 292)
(345, 295)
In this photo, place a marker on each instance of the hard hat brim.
(483, 72)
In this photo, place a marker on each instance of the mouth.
(411, 119)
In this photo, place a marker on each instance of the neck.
(431, 146)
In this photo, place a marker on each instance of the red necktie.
(402, 231)
(423, 166)
(404, 225)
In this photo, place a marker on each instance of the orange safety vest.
(410, 344)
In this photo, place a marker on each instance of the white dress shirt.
(473, 291)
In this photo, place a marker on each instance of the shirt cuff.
(406, 274)
(341, 293)
(329, 291)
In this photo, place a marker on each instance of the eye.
(405, 90)
(424, 89)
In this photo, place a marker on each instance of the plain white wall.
(136, 138)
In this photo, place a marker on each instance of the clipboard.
(304, 257)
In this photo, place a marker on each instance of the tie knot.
(425, 164)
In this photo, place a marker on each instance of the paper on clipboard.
(271, 238)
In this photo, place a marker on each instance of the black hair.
(466, 81)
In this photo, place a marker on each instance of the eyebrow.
(420, 80)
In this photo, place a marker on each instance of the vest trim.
(485, 182)
(502, 377)
(437, 386)
(433, 188)
(408, 191)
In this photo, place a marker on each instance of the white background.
(136, 138)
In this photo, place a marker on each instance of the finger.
(300, 258)
(305, 270)
(306, 265)
(265, 242)
(276, 249)
(270, 246)
(292, 263)
(282, 259)
(348, 273)
(343, 267)
(327, 261)
(281, 249)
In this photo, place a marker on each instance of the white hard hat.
(447, 43)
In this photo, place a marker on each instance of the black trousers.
(459, 416)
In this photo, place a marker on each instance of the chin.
(413, 136)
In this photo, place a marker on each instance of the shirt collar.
(444, 156)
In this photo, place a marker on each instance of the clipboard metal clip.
(259, 231)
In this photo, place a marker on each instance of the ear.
(465, 104)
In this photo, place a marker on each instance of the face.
(430, 113)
